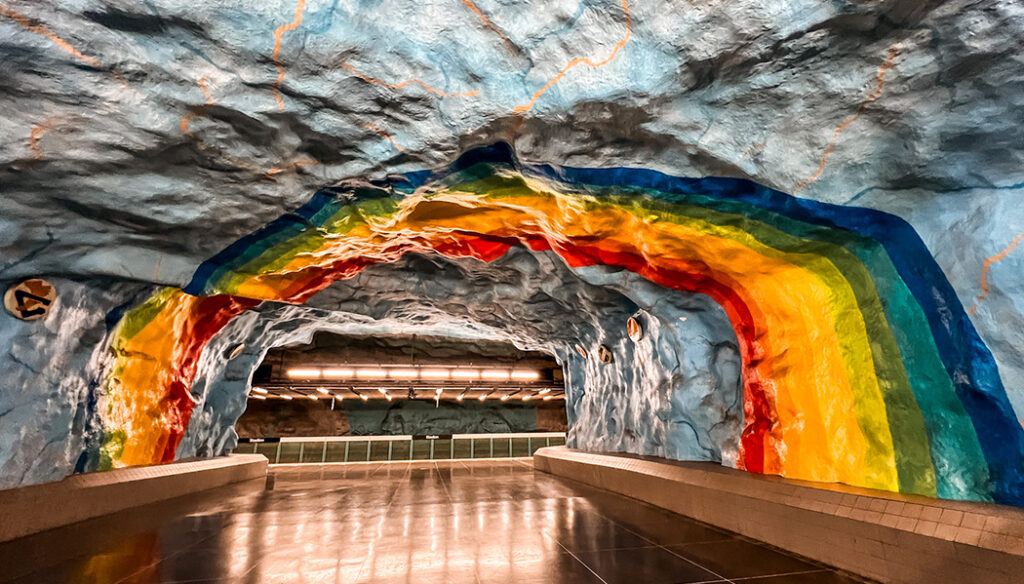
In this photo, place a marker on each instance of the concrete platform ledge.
(29, 510)
(887, 537)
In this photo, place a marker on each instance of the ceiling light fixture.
(322, 390)
(485, 396)
(304, 373)
(338, 373)
(549, 397)
(257, 396)
(435, 374)
(313, 397)
(526, 375)
(495, 374)
(339, 397)
(462, 395)
(259, 390)
(543, 391)
(466, 374)
(284, 396)
(371, 373)
(403, 373)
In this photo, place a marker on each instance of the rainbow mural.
(860, 365)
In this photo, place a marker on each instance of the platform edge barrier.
(36, 508)
(883, 536)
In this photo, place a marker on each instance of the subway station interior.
(512, 291)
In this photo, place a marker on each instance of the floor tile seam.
(162, 559)
(616, 549)
(391, 500)
(582, 563)
(705, 568)
(643, 537)
(749, 578)
(441, 480)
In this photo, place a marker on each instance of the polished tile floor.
(473, 522)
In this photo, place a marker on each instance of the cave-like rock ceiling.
(811, 208)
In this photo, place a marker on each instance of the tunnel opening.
(341, 398)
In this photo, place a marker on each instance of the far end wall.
(379, 417)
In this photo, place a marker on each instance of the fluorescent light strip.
(304, 373)
(495, 374)
(466, 374)
(526, 375)
(259, 390)
(371, 373)
(257, 396)
(338, 373)
(435, 374)
(403, 373)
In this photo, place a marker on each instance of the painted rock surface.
(811, 208)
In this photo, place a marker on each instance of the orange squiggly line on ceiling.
(988, 266)
(490, 26)
(385, 135)
(894, 51)
(278, 35)
(35, 134)
(27, 24)
(581, 61)
(188, 117)
(405, 83)
(295, 165)
(206, 91)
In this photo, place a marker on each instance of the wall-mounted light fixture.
(633, 329)
(236, 351)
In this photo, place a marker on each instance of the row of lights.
(262, 394)
(413, 373)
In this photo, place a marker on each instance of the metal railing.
(323, 449)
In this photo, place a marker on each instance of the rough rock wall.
(144, 138)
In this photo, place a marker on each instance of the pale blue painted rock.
(155, 133)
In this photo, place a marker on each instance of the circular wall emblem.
(604, 354)
(634, 329)
(30, 299)
(581, 351)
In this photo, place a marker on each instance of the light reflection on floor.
(474, 522)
